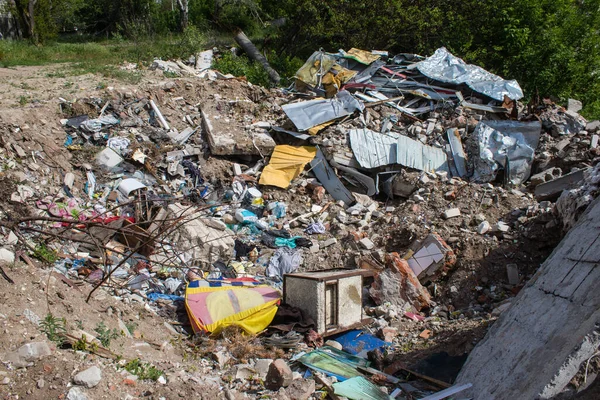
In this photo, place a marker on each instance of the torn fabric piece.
(445, 67)
(373, 149)
(507, 144)
(287, 162)
(284, 261)
(306, 114)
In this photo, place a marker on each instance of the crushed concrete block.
(592, 126)
(328, 242)
(261, 366)
(487, 202)
(594, 142)
(366, 243)
(76, 393)
(279, 375)
(301, 389)
(480, 218)
(231, 139)
(88, 378)
(207, 239)
(512, 271)
(451, 213)
(244, 372)
(7, 256)
(574, 105)
(502, 227)
(221, 357)
(25, 355)
(555, 187)
(483, 228)
(545, 176)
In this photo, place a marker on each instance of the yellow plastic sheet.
(287, 162)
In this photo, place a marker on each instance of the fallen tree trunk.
(256, 55)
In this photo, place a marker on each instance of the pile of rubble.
(419, 190)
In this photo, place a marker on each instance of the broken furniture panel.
(429, 256)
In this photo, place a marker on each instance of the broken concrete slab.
(279, 375)
(89, 377)
(546, 332)
(552, 189)
(234, 139)
(545, 176)
(451, 213)
(206, 240)
(25, 355)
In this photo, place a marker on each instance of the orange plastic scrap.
(286, 164)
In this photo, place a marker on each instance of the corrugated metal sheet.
(373, 149)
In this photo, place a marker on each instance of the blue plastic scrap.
(359, 342)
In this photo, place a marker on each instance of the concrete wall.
(536, 346)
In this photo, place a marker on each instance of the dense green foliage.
(551, 47)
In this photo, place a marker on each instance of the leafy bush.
(229, 63)
(105, 335)
(144, 371)
(43, 253)
(54, 328)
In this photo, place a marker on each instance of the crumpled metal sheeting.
(373, 149)
(445, 67)
(507, 144)
(307, 114)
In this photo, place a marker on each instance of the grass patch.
(19, 52)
